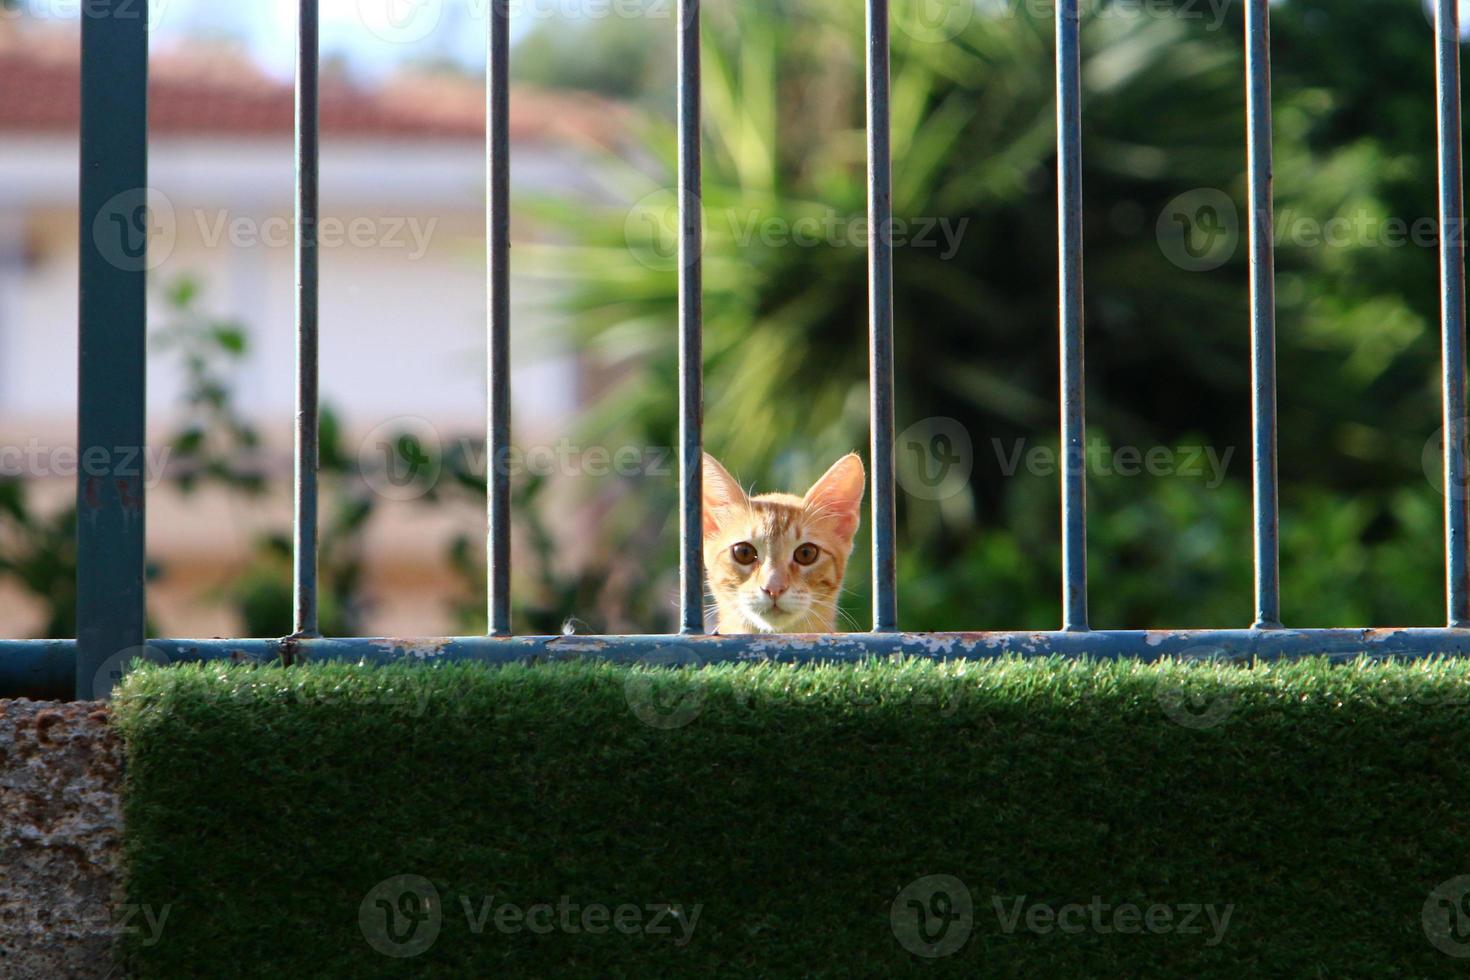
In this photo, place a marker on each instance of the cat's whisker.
(847, 618)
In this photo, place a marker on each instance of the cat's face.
(775, 561)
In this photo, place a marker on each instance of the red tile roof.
(216, 92)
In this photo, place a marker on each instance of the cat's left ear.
(838, 495)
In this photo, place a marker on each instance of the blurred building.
(402, 287)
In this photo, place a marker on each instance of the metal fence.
(110, 498)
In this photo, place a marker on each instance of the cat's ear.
(838, 495)
(722, 494)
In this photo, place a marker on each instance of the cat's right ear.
(722, 494)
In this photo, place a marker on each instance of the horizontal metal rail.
(45, 669)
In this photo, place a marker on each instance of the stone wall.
(60, 840)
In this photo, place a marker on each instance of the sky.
(374, 35)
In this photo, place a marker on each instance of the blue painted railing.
(110, 600)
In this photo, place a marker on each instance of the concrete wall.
(60, 841)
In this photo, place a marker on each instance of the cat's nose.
(774, 589)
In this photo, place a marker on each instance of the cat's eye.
(806, 554)
(744, 553)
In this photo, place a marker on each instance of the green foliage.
(40, 556)
(215, 447)
(216, 444)
(1168, 355)
(264, 593)
(1320, 802)
(617, 56)
(218, 447)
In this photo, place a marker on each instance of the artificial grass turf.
(793, 806)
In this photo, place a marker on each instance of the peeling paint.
(576, 645)
(937, 644)
(417, 649)
(129, 493)
(767, 644)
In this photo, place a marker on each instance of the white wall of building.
(402, 282)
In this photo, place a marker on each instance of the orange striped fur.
(772, 590)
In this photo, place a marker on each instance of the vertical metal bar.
(880, 319)
(307, 214)
(1452, 308)
(112, 337)
(1263, 313)
(1069, 245)
(497, 221)
(691, 326)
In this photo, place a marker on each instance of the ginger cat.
(775, 561)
